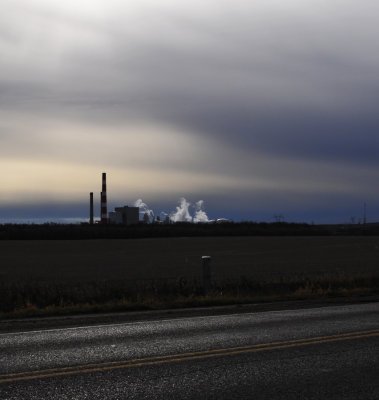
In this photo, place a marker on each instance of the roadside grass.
(37, 298)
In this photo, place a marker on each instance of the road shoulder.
(70, 321)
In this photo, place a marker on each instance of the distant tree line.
(51, 231)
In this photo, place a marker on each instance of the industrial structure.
(91, 208)
(121, 215)
(104, 213)
(124, 215)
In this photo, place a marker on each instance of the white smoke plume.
(144, 209)
(182, 213)
(200, 214)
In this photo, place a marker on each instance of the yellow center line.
(165, 359)
(170, 356)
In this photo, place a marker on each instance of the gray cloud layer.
(290, 84)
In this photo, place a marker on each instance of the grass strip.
(28, 299)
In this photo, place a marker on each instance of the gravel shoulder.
(70, 321)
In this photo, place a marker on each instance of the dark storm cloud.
(280, 86)
(298, 134)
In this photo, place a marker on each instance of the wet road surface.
(328, 353)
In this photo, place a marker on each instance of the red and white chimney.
(91, 208)
(104, 213)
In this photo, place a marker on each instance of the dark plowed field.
(255, 257)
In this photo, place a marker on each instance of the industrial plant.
(130, 215)
(125, 215)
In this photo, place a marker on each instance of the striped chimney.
(104, 213)
(91, 208)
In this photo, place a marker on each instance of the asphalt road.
(317, 353)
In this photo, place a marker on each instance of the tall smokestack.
(91, 208)
(104, 214)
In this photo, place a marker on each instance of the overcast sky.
(259, 108)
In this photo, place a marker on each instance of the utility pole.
(364, 214)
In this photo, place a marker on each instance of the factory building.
(124, 215)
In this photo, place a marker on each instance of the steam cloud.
(200, 214)
(181, 213)
(144, 210)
